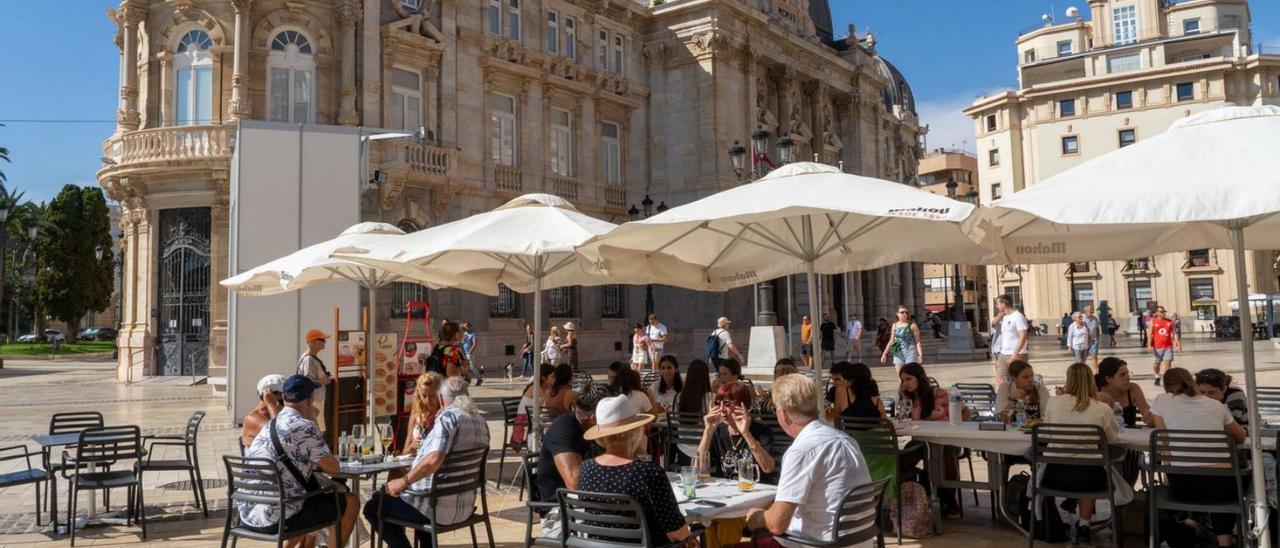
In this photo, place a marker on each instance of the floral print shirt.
(305, 446)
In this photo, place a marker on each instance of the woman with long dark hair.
(560, 396)
(669, 383)
(695, 396)
(929, 403)
(854, 393)
(1116, 390)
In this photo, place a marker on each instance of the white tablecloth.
(1011, 441)
(736, 503)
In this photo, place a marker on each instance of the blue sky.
(950, 51)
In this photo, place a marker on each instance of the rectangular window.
(1125, 19)
(1064, 48)
(996, 191)
(561, 143)
(618, 67)
(279, 105)
(194, 96)
(1127, 137)
(503, 130)
(1084, 294)
(993, 157)
(1070, 144)
(553, 32)
(1124, 99)
(1015, 294)
(562, 303)
(611, 138)
(301, 96)
(203, 95)
(1139, 295)
(602, 51)
(570, 38)
(1066, 108)
(991, 122)
(1185, 91)
(1127, 62)
(1202, 298)
(1191, 26)
(494, 14)
(402, 293)
(1196, 57)
(1028, 57)
(513, 20)
(1199, 258)
(612, 301)
(506, 304)
(406, 100)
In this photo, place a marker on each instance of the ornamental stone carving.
(706, 43)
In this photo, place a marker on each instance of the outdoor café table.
(719, 490)
(47, 444)
(354, 472)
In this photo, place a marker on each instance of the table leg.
(935, 467)
(355, 531)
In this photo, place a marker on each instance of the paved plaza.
(30, 391)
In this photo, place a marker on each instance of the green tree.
(4, 155)
(71, 279)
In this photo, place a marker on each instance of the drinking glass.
(387, 436)
(689, 481)
(748, 475)
(702, 463)
(904, 407)
(357, 435)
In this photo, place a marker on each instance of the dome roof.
(898, 92)
(820, 14)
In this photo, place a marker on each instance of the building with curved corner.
(603, 102)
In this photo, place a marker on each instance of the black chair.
(510, 410)
(190, 463)
(462, 472)
(580, 379)
(855, 523)
(1210, 453)
(92, 468)
(534, 505)
(593, 520)
(980, 398)
(66, 423)
(258, 481)
(648, 377)
(684, 429)
(1071, 444)
(1269, 405)
(878, 437)
(781, 441)
(31, 474)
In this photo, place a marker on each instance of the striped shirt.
(455, 430)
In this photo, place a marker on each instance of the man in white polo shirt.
(657, 333)
(820, 468)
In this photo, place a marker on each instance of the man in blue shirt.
(468, 351)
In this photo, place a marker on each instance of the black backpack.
(1049, 527)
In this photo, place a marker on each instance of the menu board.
(351, 348)
(385, 374)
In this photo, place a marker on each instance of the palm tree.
(4, 155)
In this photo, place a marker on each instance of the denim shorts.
(1163, 354)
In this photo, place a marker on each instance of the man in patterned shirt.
(305, 448)
(458, 428)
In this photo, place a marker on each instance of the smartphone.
(711, 503)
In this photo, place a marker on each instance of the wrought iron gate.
(183, 345)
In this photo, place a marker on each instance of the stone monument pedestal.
(767, 344)
(960, 343)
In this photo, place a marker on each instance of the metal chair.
(877, 437)
(65, 423)
(855, 523)
(648, 377)
(781, 441)
(1269, 405)
(1071, 444)
(535, 502)
(1209, 453)
(580, 379)
(31, 474)
(592, 520)
(258, 481)
(981, 399)
(510, 410)
(190, 463)
(462, 472)
(684, 429)
(98, 450)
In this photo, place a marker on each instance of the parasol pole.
(1236, 235)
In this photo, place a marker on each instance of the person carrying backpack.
(719, 345)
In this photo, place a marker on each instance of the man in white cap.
(270, 401)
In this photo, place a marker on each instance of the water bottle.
(344, 452)
(1019, 413)
(1119, 415)
(955, 406)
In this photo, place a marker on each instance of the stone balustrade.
(564, 187)
(507, 179)
(168, 144)
(417, 157)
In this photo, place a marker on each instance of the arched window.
(193, 79)
(291, 70)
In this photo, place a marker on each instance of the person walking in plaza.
(293, 442)
(822, 465)
(1144, 319)
(551, 348)
(270, 402)
(828, 330)
(806, 341)
(563, 450)
(569, 349)
(1112, 327)
(1165, 341)
(1063, 326)
(994, 343)
(459, 427)
(1095, 333)
(853, 334)
(450, 360)
(883, 334)
(725, 348)
(657, 333)
(527, 352)
(310, 365)
(1079, 338)
(468, 353)
(906, 346)
(1013, 338)
(639, 348)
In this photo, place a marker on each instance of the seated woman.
(731, 439)
(619, 429)
(930, 403)
(1077, 405)
(1217, 386)
(1182, 407)
(612, 372)
(1116, 390)
(1024, 389)
(426, 405)
(559, 398)
(854, 394)
(546, 377)
(730, 372)
(668, 385)
(629, 384)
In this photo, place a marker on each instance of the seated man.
(564, 448)
(298, 440)
(818, 470)
(269, 404)
(459, 427)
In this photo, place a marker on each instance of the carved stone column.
(219, 228)
(240, 107)
(129, 17)
(349, 13)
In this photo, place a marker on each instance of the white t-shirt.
(1078, 336)
(1062, 409)
(1013, 323)
(667, 400)
(640, 401)
(725, 341)
(1182, 412)
(818, 470)
(853, 329)
(654, 332)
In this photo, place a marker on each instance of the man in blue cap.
(294, 443)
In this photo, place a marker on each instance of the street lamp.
(765, 315)
(5, 208)
(647, 204)
(635, 215)
(736, 154)
(786, 149)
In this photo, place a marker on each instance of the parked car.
(51, 335)
(28, 338)
(106, 334)
(87, 334)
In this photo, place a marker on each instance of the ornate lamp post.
(635, 215)
(958, 312)
(5, 209)
(765, 314)
(33, 231)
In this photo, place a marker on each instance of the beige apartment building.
(954, 173)
(612, 104)
(1093, 82)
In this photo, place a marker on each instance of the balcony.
(564, 187)
(613, 196)
(1200, 260)
(168, 145)
(507, 179)
(417, 158)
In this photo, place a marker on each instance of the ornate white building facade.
(603, 102)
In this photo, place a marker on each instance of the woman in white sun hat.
(619, 430)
